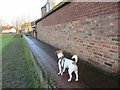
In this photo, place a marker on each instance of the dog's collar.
(61, 58)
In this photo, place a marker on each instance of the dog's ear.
(56, 52)
(61, 51)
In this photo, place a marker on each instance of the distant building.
(57, 2)
(26, 27)
(49, 5)
(12, 30)
(33, 24)
(34, 31)
(7, 29)
(0, 30)
(43, 10)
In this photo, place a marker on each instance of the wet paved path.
(88, 76)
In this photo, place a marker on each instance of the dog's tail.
(76, 59)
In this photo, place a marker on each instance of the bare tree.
(18, 22)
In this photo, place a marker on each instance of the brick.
(111, 35)
(114, 47)
(116, 39)
(118, 44)
(113, 51)
(99, 54)
(106, 56)
(106, 46)
(96, 56)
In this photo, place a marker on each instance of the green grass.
(6, 39)
(18, 68)
(1, 41)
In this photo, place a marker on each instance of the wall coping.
(61, 4)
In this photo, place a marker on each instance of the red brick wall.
(88, 29)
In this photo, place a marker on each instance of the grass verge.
(18, 68)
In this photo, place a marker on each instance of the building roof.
(44, 5)
(6, 27)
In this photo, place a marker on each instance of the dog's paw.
(59, 73)
(76, 80)
(69, 80)
(63, 71)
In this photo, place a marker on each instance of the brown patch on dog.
(58, 51)
(74, 63)
(76, 68)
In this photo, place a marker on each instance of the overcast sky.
(10, 9)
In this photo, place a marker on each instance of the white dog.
(64, 63)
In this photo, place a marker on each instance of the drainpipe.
(36, 30)
(36, 34)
